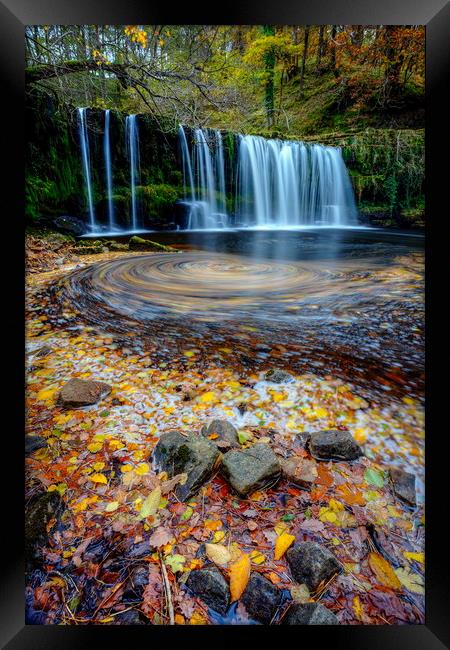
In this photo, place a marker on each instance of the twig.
(167, 591)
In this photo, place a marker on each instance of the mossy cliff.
(386, 167)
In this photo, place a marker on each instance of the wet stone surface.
(310, 614)
(312, 564)
(250, 469)
(210, 585)
(334, 445)
(261, 598)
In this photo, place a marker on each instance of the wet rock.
(210, 585)
(139, 244)
(278, 376)
(194, 455)
(117, 246)
(80, 392)
(311, 564)
(37, 515)
(33, 443)
(70, 225)
(224, 429)
(310, 614)
(139, 550)
(251, 469)
(43, 351)
(136, 583)
(404, 485)
(334, 444)
(261, 598)
(128, 617)
(300, 471)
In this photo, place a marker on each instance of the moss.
(157, 199)
(138, 243)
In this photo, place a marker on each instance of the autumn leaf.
(383, 571)
(239, 576)
(357, 608)
(151, 503)
(283, 542)
(98, 478)
(112, 506)
(218, 553)
(374, 477)
(160, 537)
(412, 581)
(257, 557)
(142, 469)
(175, 562)
(418, 557)
(94, 447)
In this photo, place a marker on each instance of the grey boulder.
(226, 432)
(261, 598)
(333, 444)
(310, 614)
(80, 392)
(194, 455)
(278, 376)
(210, 585)
(250, 469)
(311, 564)
(404, 485)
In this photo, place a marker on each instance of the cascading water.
(204, 179)
(108, 170)
(132, 137)
(278, 183)
(85, 156)
(285, 183)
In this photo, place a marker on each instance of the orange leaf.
(239, 576)
(383, 571)
(282, 544)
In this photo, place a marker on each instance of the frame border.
(435, 14)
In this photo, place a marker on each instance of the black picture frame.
(435, 14)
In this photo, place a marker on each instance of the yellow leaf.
(179, 619)
(283, 542)
(151, 503)
(112, 506)
(383, 571)
(239, 576)
(94, 447)
(412, 581)
(213, 524)
(46, 393)
(207, 398)
(325, 514)
(98, 466)
(197, 619)
(126, 468)
(98, 478)
(419, 557)
(357, 608)
(257, 557)
(335, 506)
(218, 553)
(218, 536)
(281, 527)
(142, 469)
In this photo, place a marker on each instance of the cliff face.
(386, 168)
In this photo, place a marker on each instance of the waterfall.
(286, 183)
(132, 138)
(85, 155)
(108, 169)
(204, 178)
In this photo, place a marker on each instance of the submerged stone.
(80, 392)
(251, 469)
(310, 614)
(211, 587)
(311, 564)
(300, 471)
(225, 431)
(194, 455)
(33, 443)
(139, 244)
(404, 485)
(261, 598)
(278, 376)
(334, 444)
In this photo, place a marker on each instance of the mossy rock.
(139, 244)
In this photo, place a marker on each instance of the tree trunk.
(269, 64)
(320, 46)
(305, 54)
